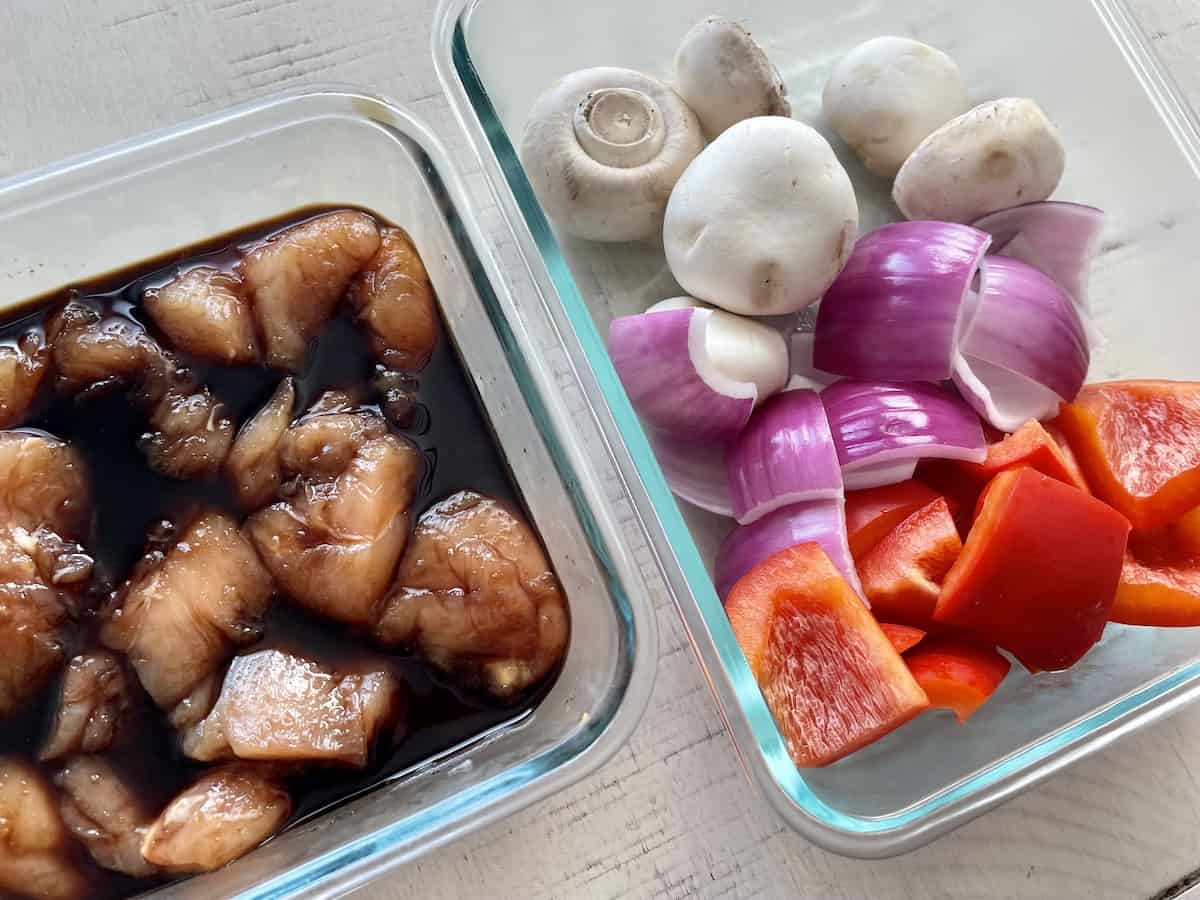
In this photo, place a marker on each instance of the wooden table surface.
(671, 815)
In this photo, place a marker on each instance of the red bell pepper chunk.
(957, 675)
(1030, 445)
(831, 678)
(1160, 582)
(1039, 571)
(903, 637)
(872, 513)
(902, 576)
(1138, 443)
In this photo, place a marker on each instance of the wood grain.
(672, 815)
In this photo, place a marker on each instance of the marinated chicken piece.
(35, 849)
(393, 299)
(43, 483)
(397, 394)
(94, 706)
(185, 610)
(476, 597)
(101, 807)
(253, 463)
(295, 280)
(32, 618)
(92, 350)
(203, 312)
(224, 815)
(333, 547)
(23, 365)
(192, 434)
(277, 705)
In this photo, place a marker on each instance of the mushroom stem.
(619, 127)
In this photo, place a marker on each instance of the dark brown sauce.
(449, 427)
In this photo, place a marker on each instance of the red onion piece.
(1057, 238)
(695, 472)
(785, 455)
(882, 429)
(662, 360)
(893, 312)
(822, 521)
(1025, 325)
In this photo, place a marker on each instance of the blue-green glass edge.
(762, 725)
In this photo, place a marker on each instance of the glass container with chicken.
(259, 552)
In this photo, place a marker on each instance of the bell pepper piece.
(1030, 445)
(902, 576)
(829, 675)
(1138, 443)
(1160, 582)
(872, 513)
(903, 637)
(1039, 570)
(957, 675)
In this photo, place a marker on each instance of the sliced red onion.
(662, 360)
(695, 472)
(1024, 325)
(785, 455)
(1057, 238)
(822, 521)
(881, 429)
(893, 312)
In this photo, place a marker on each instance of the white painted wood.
(672, 815)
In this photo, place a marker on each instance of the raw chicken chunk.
(278, 705)
(94, 705)
(224, 815)
(35, 851)
(23, 365)
(105, 813)
(92, 350)
(333, 547)
(186, 610)
(296, 279)
(476, 597)
(191, 434)
(253, 463)
(393, 300)
(32, 617)
(203, 312)
(43, 483)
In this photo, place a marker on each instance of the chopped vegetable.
(893, 313)
(829, 675)
(1138, 443)
(872, 513)
(957, 675)
(881, 430)
(1160, 582)
(902, 576)
(695, 472)
(1030, 445)
(819, 521)
(785, 455)
(903, 637)
(1023, 346)
(1039, 570)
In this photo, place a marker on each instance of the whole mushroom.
(604, 147)
(763, 220)
(725, 76)
(887, 95)
(999, 154)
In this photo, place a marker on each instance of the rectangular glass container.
(1133, 148)
(136, 200)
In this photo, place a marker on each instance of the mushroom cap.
(603, 147)
(763, 220)
(725, 76)
(888, 94)
(999, 154)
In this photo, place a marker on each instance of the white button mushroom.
(997, 155)
(887, 95)
(763, 220)
(739, 348)
(603, 147)
(725, 76)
